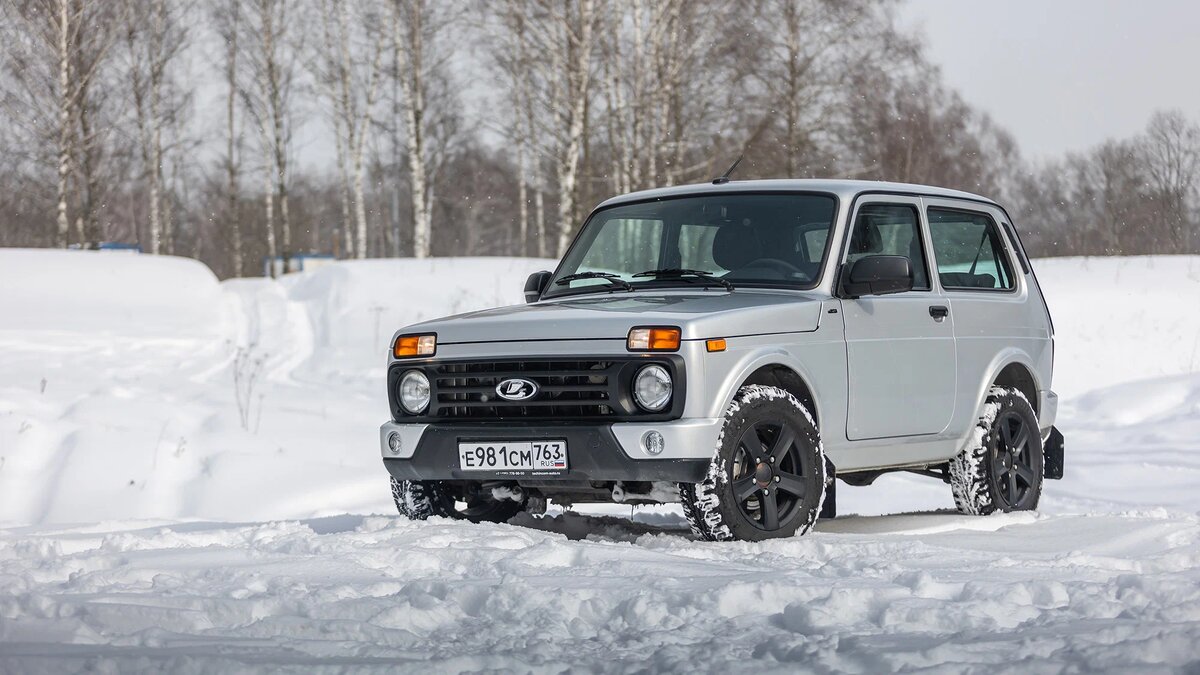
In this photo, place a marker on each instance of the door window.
(969, 252)
(890, 229)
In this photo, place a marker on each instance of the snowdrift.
(1122, 319)
(117, 382)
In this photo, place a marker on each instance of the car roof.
(843, 188)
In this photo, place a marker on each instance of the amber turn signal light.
(408, 346)
(653, 339)
(715, 345)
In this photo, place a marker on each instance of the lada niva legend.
(734, 347)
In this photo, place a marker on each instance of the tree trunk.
(414, 124)
(269, 204)
(64, 122)
(231, 167)
(578, 80)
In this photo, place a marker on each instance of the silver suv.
(734, 347)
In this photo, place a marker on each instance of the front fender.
(820, 364)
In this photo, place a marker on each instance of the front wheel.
(767, 475)
(418, 500)
(1001, 468)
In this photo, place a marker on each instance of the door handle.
(939, 312)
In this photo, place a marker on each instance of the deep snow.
(209, 548)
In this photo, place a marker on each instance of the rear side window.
(890, 229)
(969, 251)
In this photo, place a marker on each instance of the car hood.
(699, 314)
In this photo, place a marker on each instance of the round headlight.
(652, 388)
(414, 392)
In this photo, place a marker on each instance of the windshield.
(774, 240)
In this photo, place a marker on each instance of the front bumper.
(595, 452)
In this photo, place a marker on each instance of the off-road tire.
(418, 500)
(712, 507)
(983, 474)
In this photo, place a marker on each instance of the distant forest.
(473, 127)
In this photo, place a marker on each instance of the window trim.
(882, 198)
(1004, 251)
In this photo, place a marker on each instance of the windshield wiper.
(613, 279)
(685, 275)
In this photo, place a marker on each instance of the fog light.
(653, 443)
(394, 443)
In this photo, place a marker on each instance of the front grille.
(568, 389)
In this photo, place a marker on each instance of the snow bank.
(1122, 319)
(90, 293)
(355, 306)
(117, 395)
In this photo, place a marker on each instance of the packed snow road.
(1013, 593)
(149, 521)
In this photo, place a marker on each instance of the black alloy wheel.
(1015, 470)
(768, 475)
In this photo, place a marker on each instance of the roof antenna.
(724, 178)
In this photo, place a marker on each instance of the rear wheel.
(1001, 469)
(419, 500)
(767, 476)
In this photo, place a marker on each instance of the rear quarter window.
(969, 250)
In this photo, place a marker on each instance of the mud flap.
(1053, 451)
(829, 506)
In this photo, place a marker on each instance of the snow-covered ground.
(153, 524)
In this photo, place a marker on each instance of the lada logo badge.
(516, 389)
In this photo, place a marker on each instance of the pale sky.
(1066, 74)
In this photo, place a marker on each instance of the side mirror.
(535, 284)
(877, 275)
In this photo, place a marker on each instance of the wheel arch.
(778, 370)
(1014, 369)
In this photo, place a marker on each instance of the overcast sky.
(1066, 74)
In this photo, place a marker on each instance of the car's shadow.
(579, 526)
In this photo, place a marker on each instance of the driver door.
(900, 349)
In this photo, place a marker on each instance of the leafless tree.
(270, 58)
(420, 32)
(1170, 152)
(56, 54)
(349, 69)
(155, 33)
(227, 18)
(512, 54)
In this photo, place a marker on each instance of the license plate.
(513, 456)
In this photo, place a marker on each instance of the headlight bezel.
(400, 391)
(660, 403)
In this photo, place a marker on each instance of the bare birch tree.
(419, 34)
(267, 91)
(349, 70)
(56, 51)
(155, 34)
(563, 34)
(657, 85)
(227, 18)
(513, 55)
